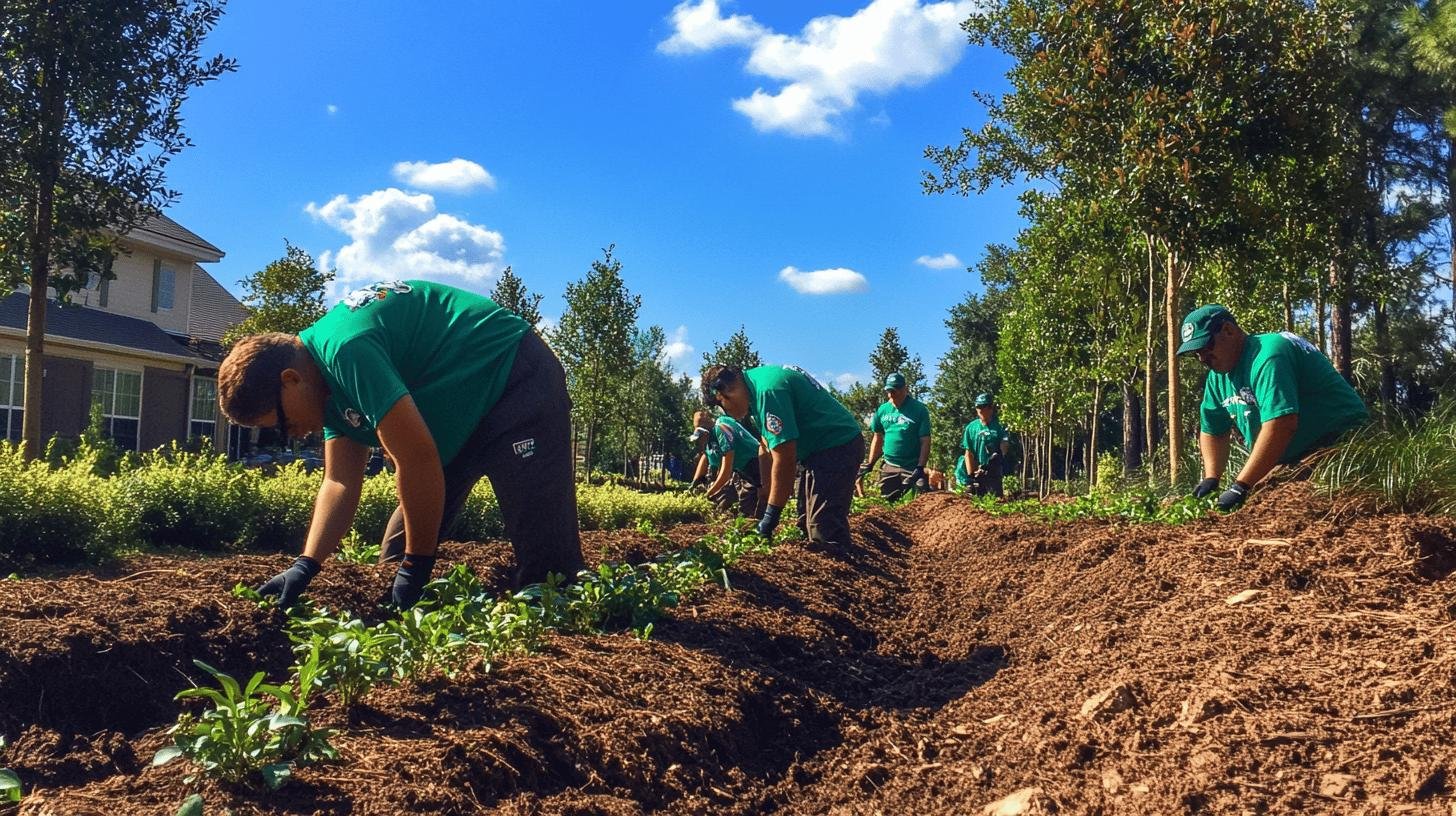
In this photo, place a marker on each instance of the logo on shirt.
(773, 424)
(353, 417)
(525, 448)
(360, 298)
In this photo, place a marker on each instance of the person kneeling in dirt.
(985, 443)
(800, 424)
(901, 428)
(1282, 394)
(730, 453)
(454, 387)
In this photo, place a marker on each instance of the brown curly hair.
(248, 379)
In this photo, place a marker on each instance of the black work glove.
(1230, 499)
(1205, 487)
(409, 581)
(864, 471)
(769, 521)
(287, 585)
(993, 460)
(917, 478)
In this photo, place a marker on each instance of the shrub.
(1411, 465)
(178, 499)
(609, 507)
(283, 507)
(376, 504)
(51, 515)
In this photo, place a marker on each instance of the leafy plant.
(259, 729)
(10, 790)
(351, 657)
(1410, 465)
(355, 549)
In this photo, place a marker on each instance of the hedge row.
(65, 512)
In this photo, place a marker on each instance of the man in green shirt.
(730, 454)
(800, 424)
(453, 387)
(962, 476)
(985, 443)
(1282, 394)
(901, 428)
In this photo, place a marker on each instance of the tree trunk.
(591, 439)
(1319, 311)
(1382, 351)
(42, 228)
(1067, 462)
(1150, 395)
(1451, 218)
(1175, 419)
(1288, 310)
(1340, 318)
(1132, 430)
(1092, 474)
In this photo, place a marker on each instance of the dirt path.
(949, 660)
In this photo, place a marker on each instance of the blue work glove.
(917, 478)
(409, 581)
(1205, 487)
(1230, 499)
(769, 521)
(287, 585)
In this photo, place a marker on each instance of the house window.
(203, 418)
(12, 396)
(166, 282)
(120, 394)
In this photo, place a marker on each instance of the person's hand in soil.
(769, 521)
(1205, 487)
(409, 581)
(287, 585)
(1230, 499)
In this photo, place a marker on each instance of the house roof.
(96, 327)
(214, 309)
(173, 234)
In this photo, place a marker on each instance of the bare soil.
(1296, 656)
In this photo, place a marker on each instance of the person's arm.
(970, 461)
(785, 459)
(725, 472)
(338, 497)
(1215, 451)
(877, 446)
(701, 470)
(419, 477)
(924, 451)
(1269, 448)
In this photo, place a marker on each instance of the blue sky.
(732, 152)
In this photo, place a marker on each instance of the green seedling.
(191, 806)
(258, 730)
(355, 549)
(350, 656)
(247, 593)
(10, 790)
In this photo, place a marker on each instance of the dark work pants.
(989, 484)
(894, 481)
(523, 445)
(826, 486)
(742, 494)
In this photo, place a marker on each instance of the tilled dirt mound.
(1295, 656)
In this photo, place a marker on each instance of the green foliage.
(191, 806)
(889, 356)
(286, 296)
(1410, 465)
(10, 789)
(1135, 507)
(609, 507)
(282, 507)
(511, 292)
(356, 549)
(351, 656)
(52, 516)
(253, 732)
(738, 351)
(179, 499)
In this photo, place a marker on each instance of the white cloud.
(826, 67)
(842, 381)
(332, 109)
(454, 176)
(824, 281)
(677, 350)
(702, 27)
(946, 261)
(395, 234)
(547, 324)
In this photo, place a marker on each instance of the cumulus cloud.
(824, 69)
(824, 281)
(702, 27)
(678, 350)
(396, 234)
(332, 109)
(454, 176)
(946, 261)
(844, 381)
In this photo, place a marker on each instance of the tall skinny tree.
(287, 295)
(738, 351)
(595, 344)
(511, 292)
(889, 356)
(91, 93)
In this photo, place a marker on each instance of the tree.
(511, 292)
(91, 93)
(889, 356)
(738, 351)
(969, 365)
(595, 344)
(287, 295)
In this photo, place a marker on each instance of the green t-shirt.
(449, 349)
(728, 435)
(788, 404)
(1277, 375)
(962, 476)
(983, 439)
(903, 428)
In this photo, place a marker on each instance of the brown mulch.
(1296, 656)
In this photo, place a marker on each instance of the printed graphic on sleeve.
(360, 298)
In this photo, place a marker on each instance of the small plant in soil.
(351, 656)
(255, 731)
(356, 549)
(10, 790)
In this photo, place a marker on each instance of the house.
(146, 346)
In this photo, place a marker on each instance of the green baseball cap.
(894, 380)
(985, 400)
(1200, 325)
